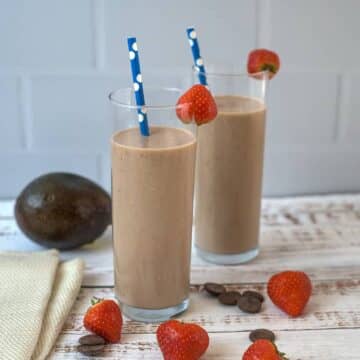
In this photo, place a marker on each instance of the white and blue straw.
(138, 86)
(195, 49)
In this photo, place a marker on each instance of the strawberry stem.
(281, 354)
(95, 300)
(269, 67)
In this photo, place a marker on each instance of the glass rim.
(262, 74)
(126, 105)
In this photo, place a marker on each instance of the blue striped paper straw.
(138, 86)
(195, 49)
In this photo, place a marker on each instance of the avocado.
(63, 211)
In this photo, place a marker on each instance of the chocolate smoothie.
(229, 177)
(152, 189)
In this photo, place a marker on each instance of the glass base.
(153, 315)
(228, 259)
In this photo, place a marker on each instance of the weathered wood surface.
(298, 345)
(320, 235)
(332, 306)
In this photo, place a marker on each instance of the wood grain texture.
(318, 250)
(322, 250)
(320, 235)
(298, 345)
(332, 306)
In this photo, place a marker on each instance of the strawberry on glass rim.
(196, 104)
(260, 60)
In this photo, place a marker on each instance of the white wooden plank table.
(320, 235)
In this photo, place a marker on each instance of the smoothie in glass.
(229, 177)
(152, 207)
(229, 170)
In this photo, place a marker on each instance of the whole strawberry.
(263, 350)
(104, 319)
(197, 104)
(262, 60)
(290, 291)
(181, 341)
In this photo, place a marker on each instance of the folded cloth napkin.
(37, 292)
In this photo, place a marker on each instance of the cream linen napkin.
(36, 295)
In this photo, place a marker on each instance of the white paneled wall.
(60, 58)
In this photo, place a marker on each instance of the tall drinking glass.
(152, 205)
(229, 169)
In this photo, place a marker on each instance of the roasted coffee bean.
(249, 304)
(91, 340)
(254, 294)
(262, 334)
(214, 289)
(90, 350)
(229, 297)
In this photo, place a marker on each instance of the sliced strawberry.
(263, 60)
(197, 104)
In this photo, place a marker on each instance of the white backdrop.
(60, 58)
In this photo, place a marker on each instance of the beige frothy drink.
(229, 177)
(152, 189)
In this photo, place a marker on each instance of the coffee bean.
(214, 289)
(262, 334)
(90, 350)
(254, 294)
(91, 340)
(249, 304)
(229, 297)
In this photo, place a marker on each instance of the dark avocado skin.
(63, 211)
